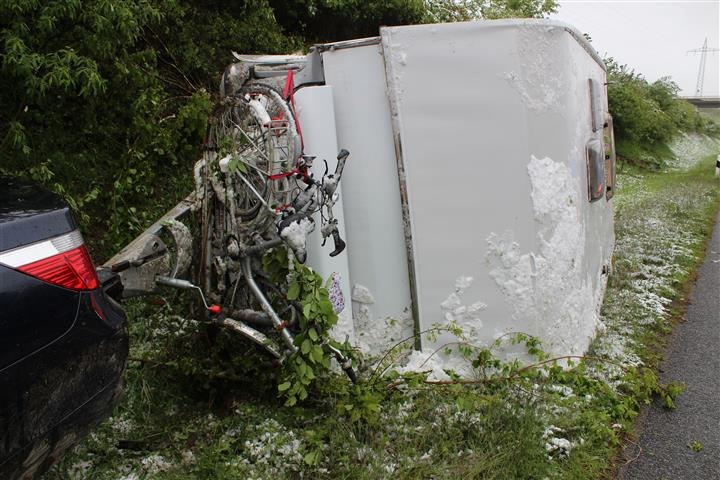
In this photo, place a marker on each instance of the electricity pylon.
(701, 73)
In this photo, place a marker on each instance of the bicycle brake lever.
(339, 243)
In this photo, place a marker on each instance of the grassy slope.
(188, 415)
(666, 219)
(713, 113)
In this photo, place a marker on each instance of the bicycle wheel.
(252, 141)
(256, 138)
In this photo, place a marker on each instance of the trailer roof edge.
(359, 42)
(579, 37)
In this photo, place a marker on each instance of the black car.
(63, 341)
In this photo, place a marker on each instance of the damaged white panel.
(549, 292)
(492, 119)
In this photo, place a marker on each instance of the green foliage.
(670, 392)
(643, 155)
(209, 408)
(88, 110)
(312, 358)
(647, 116)
(333, 20)
(492, 9)
(361, 403)
(107, 104)
(696, 446)
(457, 11)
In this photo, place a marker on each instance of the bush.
(107, 102)
(647, 116)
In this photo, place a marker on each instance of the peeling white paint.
(548, 291)
(436, 364)
(361, 294)
(373, 334)
(540, 79)
(458, 312)
(540, 272)
(344, 328)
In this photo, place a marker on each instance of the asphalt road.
(667, 437)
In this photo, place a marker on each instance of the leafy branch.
(306, 288)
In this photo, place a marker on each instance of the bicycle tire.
(241, 195)
(260, 151)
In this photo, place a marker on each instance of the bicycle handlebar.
(341, 158)
(338, 242)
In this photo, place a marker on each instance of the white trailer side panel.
(371, 196)
(492, 120)
(315, 112)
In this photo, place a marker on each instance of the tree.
(463, 10)
(332, 20)
(106, 102)
(492, 9)
(647, 116)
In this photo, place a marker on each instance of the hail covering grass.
(184, 422)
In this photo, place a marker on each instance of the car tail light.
(63, 261)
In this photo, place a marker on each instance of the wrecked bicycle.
(254, 192)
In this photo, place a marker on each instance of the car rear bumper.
(74, 384)
(45, 450)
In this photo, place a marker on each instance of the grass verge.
(198, 405)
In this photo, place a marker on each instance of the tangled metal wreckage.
(254, 190)
(480, 188)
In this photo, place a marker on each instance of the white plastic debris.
(295, 235)
(258, 110)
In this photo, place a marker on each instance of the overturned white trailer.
(480, 184)
(478, 191)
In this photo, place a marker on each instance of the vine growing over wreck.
(312, 359)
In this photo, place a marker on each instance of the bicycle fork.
(344, 362)
(267, 308)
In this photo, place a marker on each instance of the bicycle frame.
(161, 256)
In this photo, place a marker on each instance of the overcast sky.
(652, 36)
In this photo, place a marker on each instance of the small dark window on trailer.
(595, 159)
(597, 108)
